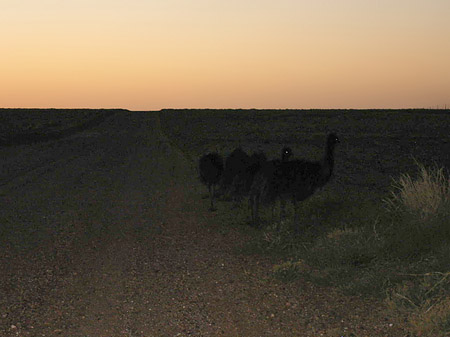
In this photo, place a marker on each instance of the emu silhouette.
(242, 182)
(286, 154)
(235, 164)
(295, 180)
(267, 166)
(211, 171)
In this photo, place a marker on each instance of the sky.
(155, 54)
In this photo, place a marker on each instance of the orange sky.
(154, 54)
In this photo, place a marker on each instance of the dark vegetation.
(380, 227)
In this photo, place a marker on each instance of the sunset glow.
(154, 54)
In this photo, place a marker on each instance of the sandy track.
(123, 246)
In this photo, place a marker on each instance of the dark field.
(375, 144)
(27, 126)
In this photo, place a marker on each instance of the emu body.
(294, 180)
(242, 182)
(235, 164)
(262, 180)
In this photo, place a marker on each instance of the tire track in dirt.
(132, 251)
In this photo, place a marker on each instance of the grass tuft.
(425, 197)
(426, 300)
(289, 270)
(420, 213)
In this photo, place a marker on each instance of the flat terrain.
(105, 233)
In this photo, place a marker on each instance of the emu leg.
(273, 211)
(274, 218)
(296, 223)
(250, 206)
(236, 201)
(255, 206)
(278, 220)
(282, 209)
(282, 213)
(257, 212)
(211, 196)
(251, 201)
(235, 192)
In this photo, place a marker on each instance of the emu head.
(286, 153)
(332, 140)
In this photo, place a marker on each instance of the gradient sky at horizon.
(149, 55)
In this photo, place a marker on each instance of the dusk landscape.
(212, 168)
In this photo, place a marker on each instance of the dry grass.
(426, 196)
(425, 299)
(434, 320)
(422, 228)
(420, 213)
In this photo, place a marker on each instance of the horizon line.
(444, 107)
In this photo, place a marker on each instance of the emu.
(235, 164)
(267, 166)
(286, 154)
(296, 180)
(242, 182)
(211, 171)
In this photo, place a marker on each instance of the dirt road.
(105, 233)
